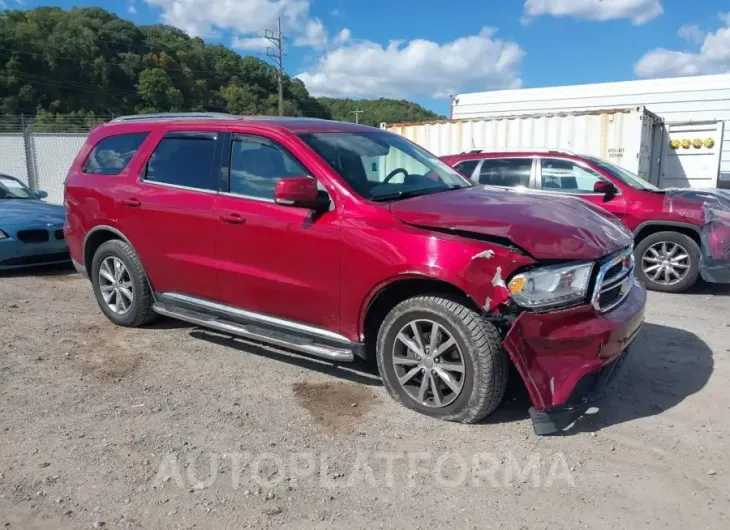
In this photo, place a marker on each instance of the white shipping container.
(697, 100)
(629, 137)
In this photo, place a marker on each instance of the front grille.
(33, 236)
(58, 234)
(614, 281)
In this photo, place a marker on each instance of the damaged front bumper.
(566, 358)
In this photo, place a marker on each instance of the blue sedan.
(31, 231)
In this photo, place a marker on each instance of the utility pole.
(357, 113)
(277, 54)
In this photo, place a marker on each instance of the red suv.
(679, 235)
(342, 241)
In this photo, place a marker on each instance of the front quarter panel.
(379, 250)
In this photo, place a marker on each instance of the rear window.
(111, 155)
(466, 167)
(506, 172)
(184, 159)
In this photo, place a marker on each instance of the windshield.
(625, 176)
(382, 166)
(14, 189)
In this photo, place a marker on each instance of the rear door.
(571, 177)
(167, 212)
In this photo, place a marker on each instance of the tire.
(139, 311)
(485, 365)
(685, 243)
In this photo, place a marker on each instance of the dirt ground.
(174, 427)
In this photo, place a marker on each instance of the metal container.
(629, 137)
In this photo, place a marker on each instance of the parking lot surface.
(176, 427)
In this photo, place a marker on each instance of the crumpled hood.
(546, 225)
(14, 212)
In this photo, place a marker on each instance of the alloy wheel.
(115, 285)
(665, 263)
(428, 363)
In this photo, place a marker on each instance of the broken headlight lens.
(551, 286)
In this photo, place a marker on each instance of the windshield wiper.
(413, 192)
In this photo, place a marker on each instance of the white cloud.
(251, 43)
(638, 11)
(713, 57)
(343, 37)
(313, 36)
(692, 33)
(417, 67)
(205, 17)
(132, 9)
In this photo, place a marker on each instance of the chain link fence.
(39, 150)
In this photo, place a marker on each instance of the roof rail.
(177, 116)
(516, 150)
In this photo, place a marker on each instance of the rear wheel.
(668, 262)
(440, 358)
(120, 285)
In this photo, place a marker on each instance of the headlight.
(551, 286)
(3, 235)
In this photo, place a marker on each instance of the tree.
(87, 62)
(377, 111)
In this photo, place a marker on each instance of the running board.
(255, 333)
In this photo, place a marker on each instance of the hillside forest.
(73, 68)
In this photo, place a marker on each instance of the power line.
(277, 53)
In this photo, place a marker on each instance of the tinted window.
(506, 172)
(257, 165)
(567, 177)
(183, 161)
(111, 155)
(466, 167)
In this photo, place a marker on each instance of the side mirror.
(301, 192)
(604, 187)
(41, 194)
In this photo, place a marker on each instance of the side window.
(567, 177)
(257, 165)
(184, 159)
(112, 154)
(506, 172)
(466, 167)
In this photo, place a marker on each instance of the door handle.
(131, 202)
(233, 218)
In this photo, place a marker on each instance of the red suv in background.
(342, 241)
(677, 237)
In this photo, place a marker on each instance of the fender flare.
(381, 286)
(117, 232)
(668, 224)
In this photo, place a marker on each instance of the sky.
(426, 50)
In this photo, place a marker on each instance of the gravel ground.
(173, 426)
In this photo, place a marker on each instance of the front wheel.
(668, 262)
(441, 358)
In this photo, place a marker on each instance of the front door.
(275, 260)
(562, 175)
(166, 211)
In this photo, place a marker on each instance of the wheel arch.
(386, 296)
(652, 227)
(99, 235)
